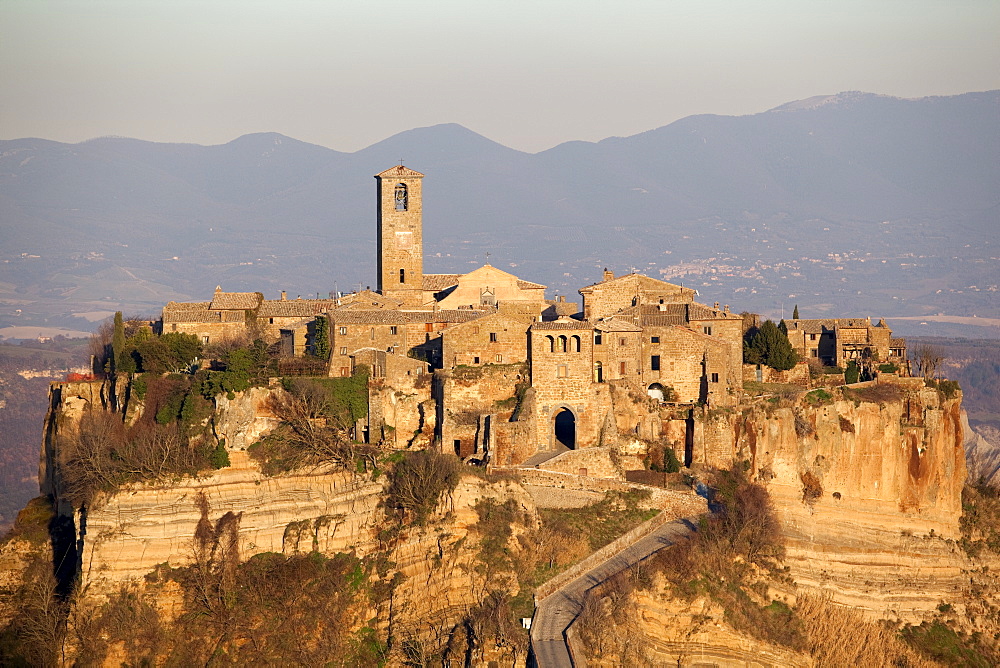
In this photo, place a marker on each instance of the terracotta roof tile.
(438, 282)
(369, 317)
(297, 308)
(398, 171)
(235, 300)
(816, 325)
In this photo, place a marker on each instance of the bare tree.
(927, 358)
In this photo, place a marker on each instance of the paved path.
(556, 612)
(543, 457)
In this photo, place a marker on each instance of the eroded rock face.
(130, 532)
(868, 495)
(242, 421)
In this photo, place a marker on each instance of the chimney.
(562, 299)
(608, 275)
(284, 295)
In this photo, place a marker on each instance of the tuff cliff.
(866, 483)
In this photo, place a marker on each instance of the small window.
(402, 276)
(654, 363)
(429, 327)
(475, 360)
(204, 339)
(343, 351)
(621, 342)
(654, 339)
(812, 337)
(814, 353)
(622, 368)
(597, 338)
(270, 321)
(345, 371)
(707, 329)
(394, 330)
(343, 331)
(493, 337)
(499, 358)
(373, 334)
(561, 371)
(715, 378)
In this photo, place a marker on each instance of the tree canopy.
(768, 345)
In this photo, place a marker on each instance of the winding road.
(556, 612)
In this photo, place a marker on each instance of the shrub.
(852, 374)
(220, 456)
(417, 482)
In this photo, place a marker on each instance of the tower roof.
(397, 172)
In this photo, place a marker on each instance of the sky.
(529, 74)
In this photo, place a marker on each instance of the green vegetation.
(321, 337)
(942, 643)
(768, 345)
(819, 397)
(603, 521)
(853, 373)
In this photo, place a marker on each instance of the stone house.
(838, 341)
(497, 338)
(229, 316)
(612, 294)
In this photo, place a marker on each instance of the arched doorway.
(564, 424)
(655, 391)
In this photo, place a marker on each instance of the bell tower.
(400, 235)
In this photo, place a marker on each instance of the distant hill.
(850, 204)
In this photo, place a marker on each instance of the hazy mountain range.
(851, 204)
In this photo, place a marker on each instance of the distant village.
(484, 365)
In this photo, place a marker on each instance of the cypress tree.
(772, 347)
(795, 312)
(321, 338)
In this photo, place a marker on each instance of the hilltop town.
(452, 469)
(488, 335)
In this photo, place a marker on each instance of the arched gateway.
(564, 428)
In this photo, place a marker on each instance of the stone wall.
(493, 339)
(467, 395)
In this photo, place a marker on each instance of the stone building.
(229, 316)
(498, 338)
(613, 294)
(483, 365)
(838, 341)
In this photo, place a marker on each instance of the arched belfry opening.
(564, 428)
(401, 197)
